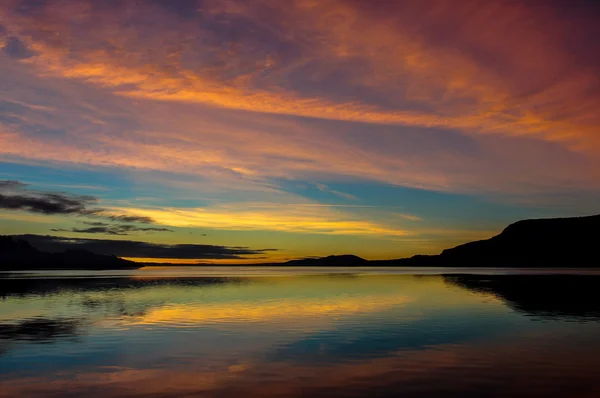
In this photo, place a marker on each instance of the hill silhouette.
(551, 242)
(329, 261)
(16, 254)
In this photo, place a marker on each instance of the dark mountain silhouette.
(329, 261)
(17, 254)
(552, 242)
(343, 260)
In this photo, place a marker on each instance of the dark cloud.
(47, 203)
(128, 218)
(96, 223)
(14, 195)
(112, 229)
(11, 184)
(129, 248)
(16, 49)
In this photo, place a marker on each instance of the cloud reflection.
(226, 337)
(436, 372)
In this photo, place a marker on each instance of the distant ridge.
(16, 254)
(336, 260)
(549, 242)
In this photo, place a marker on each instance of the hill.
(346, 260)
(551, 242)
(18, 254)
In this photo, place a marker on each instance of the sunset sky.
(259, 130)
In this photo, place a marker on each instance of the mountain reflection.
(299, 336)
(40, 329)
(44, 286)
(567, 297)
(81, 303)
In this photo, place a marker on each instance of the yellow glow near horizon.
(249, 216)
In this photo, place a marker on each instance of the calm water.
(265, 333)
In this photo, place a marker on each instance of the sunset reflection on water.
(286, 336)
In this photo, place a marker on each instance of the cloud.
(47, 203)
(342, 60)
(111, 229)
(16, 49)
(424, 113)
(409, 217)
(343, 195)
(136, 249)
(96, 223)
(448, 97)
(14, 195)
(126, 218)
(210, 145)
(11, 185)
(248, 216)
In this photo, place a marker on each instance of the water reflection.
(44, 286)
(565, 297)
(39, 329)
(342, 335)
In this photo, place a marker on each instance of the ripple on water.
(387, 335)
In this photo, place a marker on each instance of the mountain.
(551, 242)
(18, 254)
(329, 261)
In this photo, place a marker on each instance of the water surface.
(300, 333)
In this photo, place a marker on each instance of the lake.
(342, 332)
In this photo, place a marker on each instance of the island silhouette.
(548, 243)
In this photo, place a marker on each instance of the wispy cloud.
(110, 229)
(336, 62)
(270, 217)
(410, 217)
(236, 96)
(14, 195)
(402, 62)
(343, 195)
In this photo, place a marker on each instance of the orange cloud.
(214, 98)
(536, 91)
(269, 216)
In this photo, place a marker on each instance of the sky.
(258, 130)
